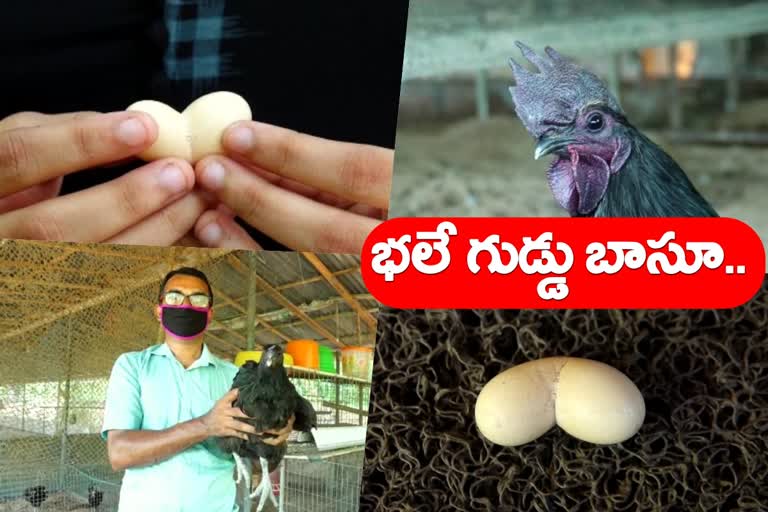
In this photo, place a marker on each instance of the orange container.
(357, 362)
(305, 353)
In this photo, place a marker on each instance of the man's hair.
(185, 271)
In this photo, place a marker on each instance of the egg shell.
(172, 132)
(590, 400)
(209, 117)
(597, 403)
(197, 131)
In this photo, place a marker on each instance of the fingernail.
(172, 179)
(240, 139)
(131, 132)
(213, 175)
(211, 234)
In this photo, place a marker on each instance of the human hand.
(222, 420)
(308, 193)
(151, 205)
(281, 435)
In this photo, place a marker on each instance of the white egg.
(197, 131)
(589, 400)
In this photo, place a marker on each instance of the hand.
(281, 435)
(221, 420)
(151, 205)
(308, 193)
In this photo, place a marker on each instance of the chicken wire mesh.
(68, 311)
(328, 484)
(337, 400)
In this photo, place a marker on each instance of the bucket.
(305, 353)
(357, 362)
(327, 359)
(255, 355)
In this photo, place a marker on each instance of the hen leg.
(242, 471)
(265, 486)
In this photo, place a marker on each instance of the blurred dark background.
(330, 69)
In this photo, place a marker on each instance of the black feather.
(651, 184)
(36, 495)
(95, 497)
(268, 397)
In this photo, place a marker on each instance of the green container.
(327, 359)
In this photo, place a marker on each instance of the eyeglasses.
(198, 300)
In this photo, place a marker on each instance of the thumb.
(231, 395)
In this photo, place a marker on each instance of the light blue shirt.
(151, 390)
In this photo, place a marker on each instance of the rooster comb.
(557, 92)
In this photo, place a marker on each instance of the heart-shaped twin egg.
(588, 399)
(197, 131)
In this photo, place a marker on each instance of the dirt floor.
(486, 168)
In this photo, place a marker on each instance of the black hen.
(604, 166)
(95, 497)
(268, 397)
(36, 496)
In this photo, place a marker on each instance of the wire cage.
(327, 484)
(68, 464)
(68, 311)
(338, 400)
(308, 480)
(67, 488)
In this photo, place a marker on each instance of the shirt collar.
(205, 359)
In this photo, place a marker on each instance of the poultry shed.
(68, 311)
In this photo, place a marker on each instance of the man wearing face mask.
(165, 404)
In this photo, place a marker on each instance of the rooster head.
(272, 357)
(572, 115)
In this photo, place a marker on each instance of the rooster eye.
(595, 122)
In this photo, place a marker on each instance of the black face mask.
(184, 322)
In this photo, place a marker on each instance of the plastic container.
(306, 353)
(357, 362)
(327, 359)
(255, 355)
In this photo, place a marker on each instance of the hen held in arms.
(269, 398)
(604, 166)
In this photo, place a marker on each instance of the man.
(165, 405)
(314, 174)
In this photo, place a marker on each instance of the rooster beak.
(272, 356)
(551, 144)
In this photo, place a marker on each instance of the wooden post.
(65, 414)
(338, 386)
(673, 91)
(438, 97)
(24, 406)
(737, 50)
(338, 399)
(360, 401)
(251, 314)
(482, 101)
(614, 76)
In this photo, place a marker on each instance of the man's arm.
(131, 448)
